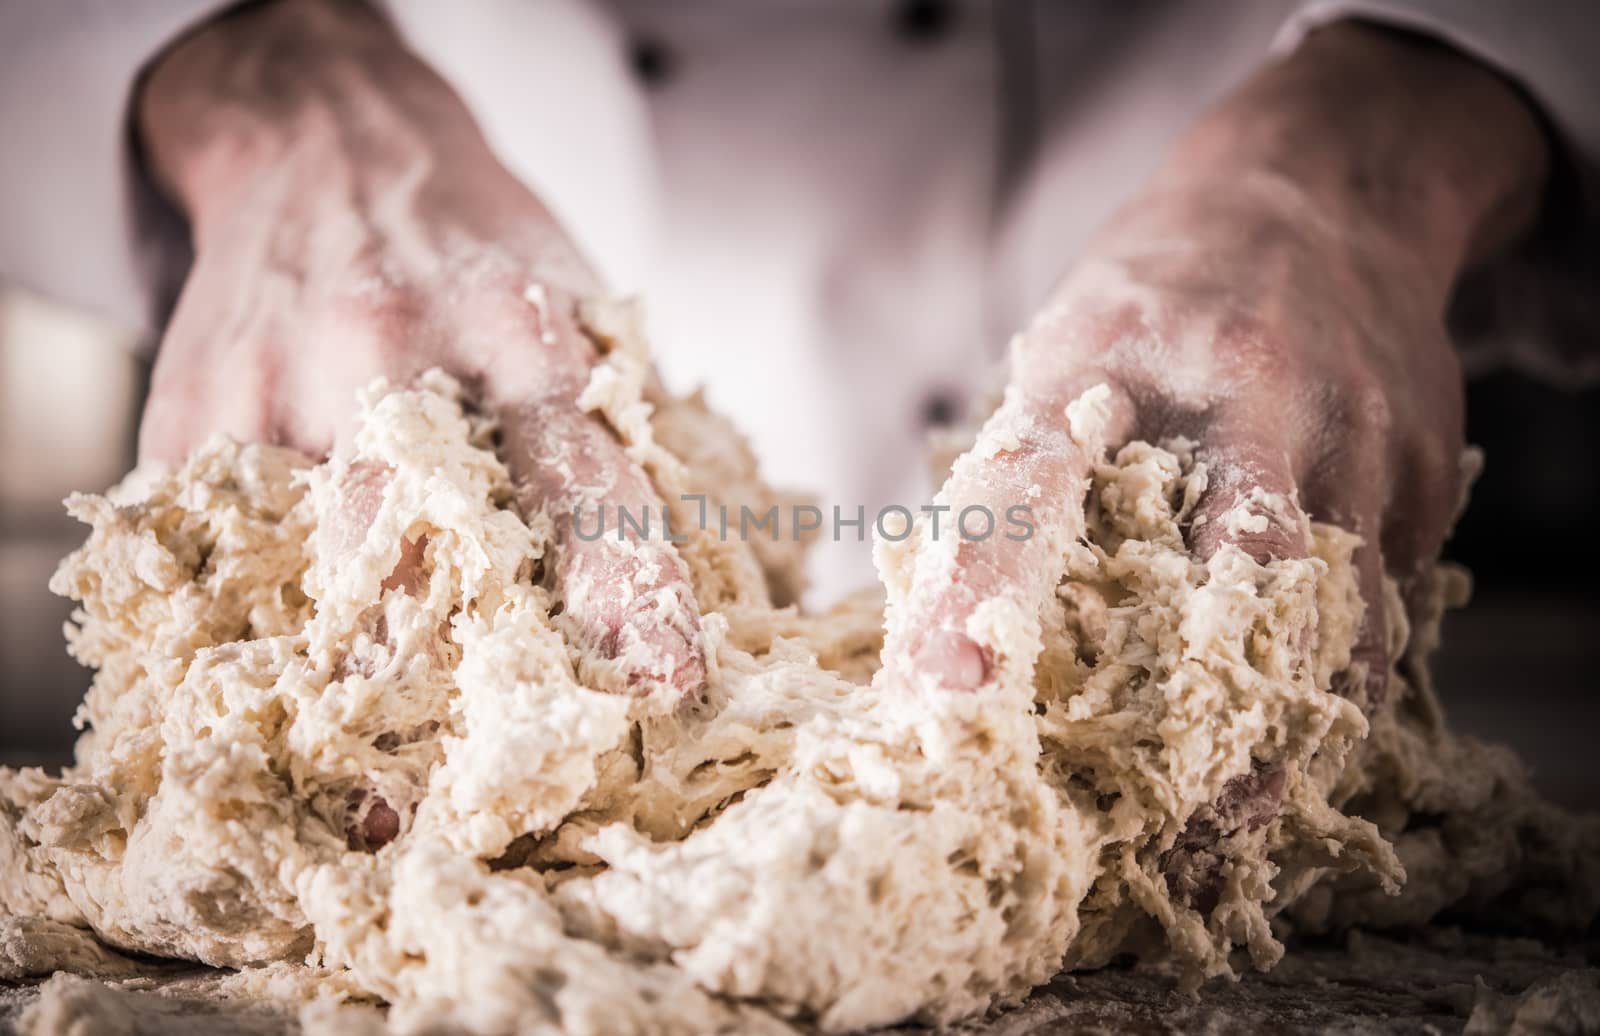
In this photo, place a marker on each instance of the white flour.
(805, 845)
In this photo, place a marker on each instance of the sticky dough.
(805, 844)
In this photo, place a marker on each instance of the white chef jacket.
(835, 210)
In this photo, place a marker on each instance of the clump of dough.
(808, 844)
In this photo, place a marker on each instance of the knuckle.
(381, 311)
(1368, 404)
(1272, 544)
(1358, 416)
(487, 281)
(1436, 464)
(1258, 343)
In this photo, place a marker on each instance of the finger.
(360, 494)
(1250, 500)
(1031, 455)
(1345, 499)
(370, 821)
(625, 592)
(626, 597)
(1246, 805)
(1351, 493)
(1429, 493)
(248, 397)
(1366, 682)
(282, 370)
(189, 402)
(165, 433)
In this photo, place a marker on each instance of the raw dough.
(804, 844)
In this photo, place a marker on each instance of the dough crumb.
(361, 759)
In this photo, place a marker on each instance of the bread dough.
(803, 843)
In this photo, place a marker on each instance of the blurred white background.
(70, 387)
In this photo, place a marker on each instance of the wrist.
(301, 100)
(1409, 149)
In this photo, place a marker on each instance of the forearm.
(321, 102)
(1396, 140)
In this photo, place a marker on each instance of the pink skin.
(349, 221)
(371, 822)
(1298, 400)
(1277, 295)
(1273, 299)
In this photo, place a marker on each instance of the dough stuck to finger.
(804, 843)
(1247, 499)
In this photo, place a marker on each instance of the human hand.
(1276, 295)
(349, 221)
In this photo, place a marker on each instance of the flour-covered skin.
(382, 753)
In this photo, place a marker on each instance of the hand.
(1310, 370)
(1277, 295)
(349, 221)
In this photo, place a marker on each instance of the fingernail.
(954, 660)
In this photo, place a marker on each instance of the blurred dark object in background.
(1519, 664)
(1531, 525)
